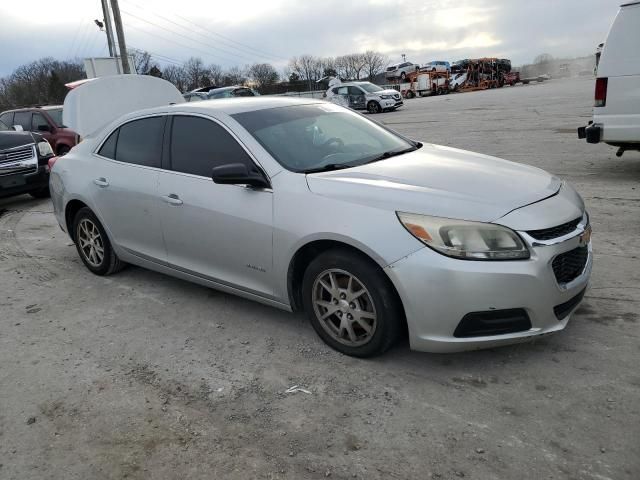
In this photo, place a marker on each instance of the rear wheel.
(351, 304)
(93, 245)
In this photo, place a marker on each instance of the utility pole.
(117, 19)
(106, 14)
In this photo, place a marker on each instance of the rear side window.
(140, 142)
(23, 119)
(7, 119)
(198, 145)
(108, 148)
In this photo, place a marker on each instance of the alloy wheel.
(90, 242)
(344, 307)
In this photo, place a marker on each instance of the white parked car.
(436, 66)
(306, 205)
(364, 96)
(616, 112)
(399, 71)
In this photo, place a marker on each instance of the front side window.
(304, 138)
(3, 126)
(56, 116)
(38, 121)
(140, 142)
(198, 145)
(23, 119)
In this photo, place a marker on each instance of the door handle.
(172, 199)
(101, 182)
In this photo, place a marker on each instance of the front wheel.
(93, 245)
(374, 107)
(351, 304)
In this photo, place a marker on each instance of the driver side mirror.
(18, 128)
(238, 174)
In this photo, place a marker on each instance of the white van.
(616, 112)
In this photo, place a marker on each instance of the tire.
(41, 193)
(411, 94)
(85, 225)
(403, 76)
(63, 150)
(374, 107)
(375, 303)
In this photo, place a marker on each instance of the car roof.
(28, 109)
(231, 106)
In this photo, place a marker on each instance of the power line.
(245, 48)
(184, 36)
(172, 41)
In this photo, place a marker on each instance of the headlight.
(385, 97)
(45, 149)
(465, 240)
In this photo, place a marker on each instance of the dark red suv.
(47, 121)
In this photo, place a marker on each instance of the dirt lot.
(143, 376)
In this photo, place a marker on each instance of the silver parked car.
(307, 205)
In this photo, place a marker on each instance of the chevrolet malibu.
(306, 205)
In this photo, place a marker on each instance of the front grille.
(570, 265)
(555, 232)
(564, 309)
(17, 154)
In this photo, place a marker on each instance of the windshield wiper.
(393, 153)
(329, 167)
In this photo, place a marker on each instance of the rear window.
(108, 148)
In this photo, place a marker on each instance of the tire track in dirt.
(11, 247)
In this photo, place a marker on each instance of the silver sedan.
(306, 205)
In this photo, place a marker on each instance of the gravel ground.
(142, 376)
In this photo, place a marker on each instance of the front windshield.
(3, 126)
(56, 116)
(370, 87)
(305, 138)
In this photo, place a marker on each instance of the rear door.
(23, 119)
(222, 233)
(125, 186)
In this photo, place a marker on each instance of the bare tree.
(196, 73)
(374, 63)
(39, 82)
(234, 76)
(215, 74)
(176, 75)
(308, 68)
(263, 74)
(142, 61)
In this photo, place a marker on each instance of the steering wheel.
(333, 140)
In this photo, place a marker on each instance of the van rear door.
(617, 107)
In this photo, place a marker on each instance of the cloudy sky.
(247, 31)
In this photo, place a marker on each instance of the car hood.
(440, 181)
(9, 139)
(389, 91)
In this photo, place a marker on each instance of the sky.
(244, 32)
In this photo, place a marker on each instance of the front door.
(222, 233)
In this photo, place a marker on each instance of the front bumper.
(19, 183)
(438, 291)
(390, 103)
